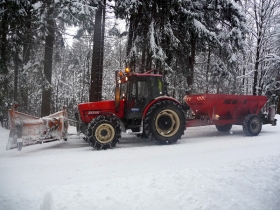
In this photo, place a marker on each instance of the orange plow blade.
(28, 130)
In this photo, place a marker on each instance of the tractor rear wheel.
(252, 125)
(224, 128)
(104, 132)
(165, 122)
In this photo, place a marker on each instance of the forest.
(56, 53)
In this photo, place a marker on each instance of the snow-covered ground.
(205, 170)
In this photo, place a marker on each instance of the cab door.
(139, 97)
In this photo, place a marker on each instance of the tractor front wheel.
(252, 125)
(104, 132)
(165, 122)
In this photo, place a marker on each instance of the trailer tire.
(252, 125)
(104, 132)
(165, 122)
(224, 128)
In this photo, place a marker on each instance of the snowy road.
(205, 170)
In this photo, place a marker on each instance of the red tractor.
(141, 105)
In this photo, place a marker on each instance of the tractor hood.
(90, 110)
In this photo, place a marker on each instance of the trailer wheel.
(104, 132)
(252, 125)
(224, 128)
(165, 122)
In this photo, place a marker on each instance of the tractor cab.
(137, 91)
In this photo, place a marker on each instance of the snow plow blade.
(28, 130)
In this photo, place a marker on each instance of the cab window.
(142, 89)
(157, 86)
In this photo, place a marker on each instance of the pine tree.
(168, 34)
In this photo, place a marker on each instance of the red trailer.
(223, 111)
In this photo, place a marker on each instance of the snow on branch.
(272, 58)
(158, 53)
(246, 75)
(201, 28)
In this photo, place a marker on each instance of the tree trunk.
(24, 90)
(261, 83)
(191, 62)
(4, 32)
(143, 62)
(49, 43)
(208, 69)
(25, 60)
(16, 75)
(97, 55)
(257, 62)
(133, 24)
(130, 35)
